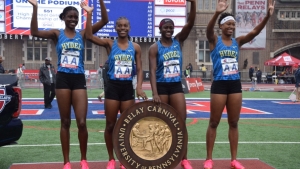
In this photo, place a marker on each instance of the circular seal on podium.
(150, 135)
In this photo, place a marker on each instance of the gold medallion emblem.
(150, 136)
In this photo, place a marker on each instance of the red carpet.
(197, 164)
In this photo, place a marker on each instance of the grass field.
(38, 93)
(276, 142)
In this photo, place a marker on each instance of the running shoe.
(208, 164)
(122, 166)
(111, 164)
(84, 164)
(186, 164)
(67, 165)
(236, 165)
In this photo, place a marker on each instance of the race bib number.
(123, 69)
(171, 68)
(69, 59)
(230, 66)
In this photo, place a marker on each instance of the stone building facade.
(282, 36)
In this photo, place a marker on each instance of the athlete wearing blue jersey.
(70, 78)
(122, 54)
(169, 62)
(226, 89)
(70, 53)
(121, 62)
(165, 64)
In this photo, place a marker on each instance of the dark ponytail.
(67, 9)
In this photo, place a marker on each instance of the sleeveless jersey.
(121, 62)
(225, 60)
(70, 53)
(169, 62)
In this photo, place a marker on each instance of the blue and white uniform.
(169, 62)
(121, 62)
(70, 53)
(225, 60)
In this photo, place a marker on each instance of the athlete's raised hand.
(221, 6)
(271, 7)
(33, 2)
(84, 6)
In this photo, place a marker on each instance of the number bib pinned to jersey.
(230, 66)
(69, 59)
(171, 68)
(123, 69)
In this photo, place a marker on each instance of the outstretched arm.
(51, 34)
(104, 18)
(245, 39)
(89, 10)
(181, 36)
(89, 29)
(212, 38)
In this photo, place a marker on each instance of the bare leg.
(111, 112)
(177, 101)
(63, 97)
(217, 104)
(233, 105)
(79, 102)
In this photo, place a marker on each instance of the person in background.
(166, 72)
(245, 63)
(23, 66)
(1, 66)
(70, 78)
(203, 69)
(47, 76)
(100, 73)
(251, 71)
(226, 89)
(297, 83)
(134, 79)
(187, 71)
(258, 75)
(191, 68)
(20, 75)
(104, 77)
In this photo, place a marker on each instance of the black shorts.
(226, 87)
(119, 90)
(169, 88)
(70, 81)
